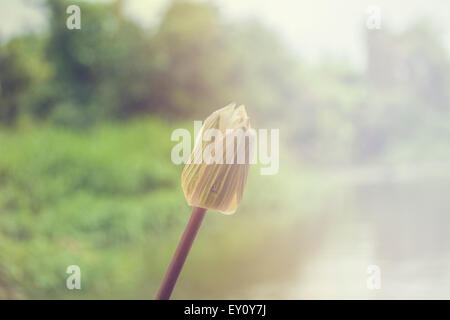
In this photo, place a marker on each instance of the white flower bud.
(224, 147)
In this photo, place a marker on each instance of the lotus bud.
(216, 173)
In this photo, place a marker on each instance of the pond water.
(401, 226)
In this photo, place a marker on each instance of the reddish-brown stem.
(174, 269)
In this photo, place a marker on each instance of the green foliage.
(194, 58)
(192, 61)
(204, 62)
(22, 70)
(104, 68)
(67, 198)
(110, 201)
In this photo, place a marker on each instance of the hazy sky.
(313, 29)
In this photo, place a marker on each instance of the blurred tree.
(21, 68)
(204, 62)
(193, 62)
(414, 61)
(193, 59)
(104, 68)
(409, 82)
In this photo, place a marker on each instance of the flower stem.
(174, 269)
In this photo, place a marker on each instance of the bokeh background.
(86, 177)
